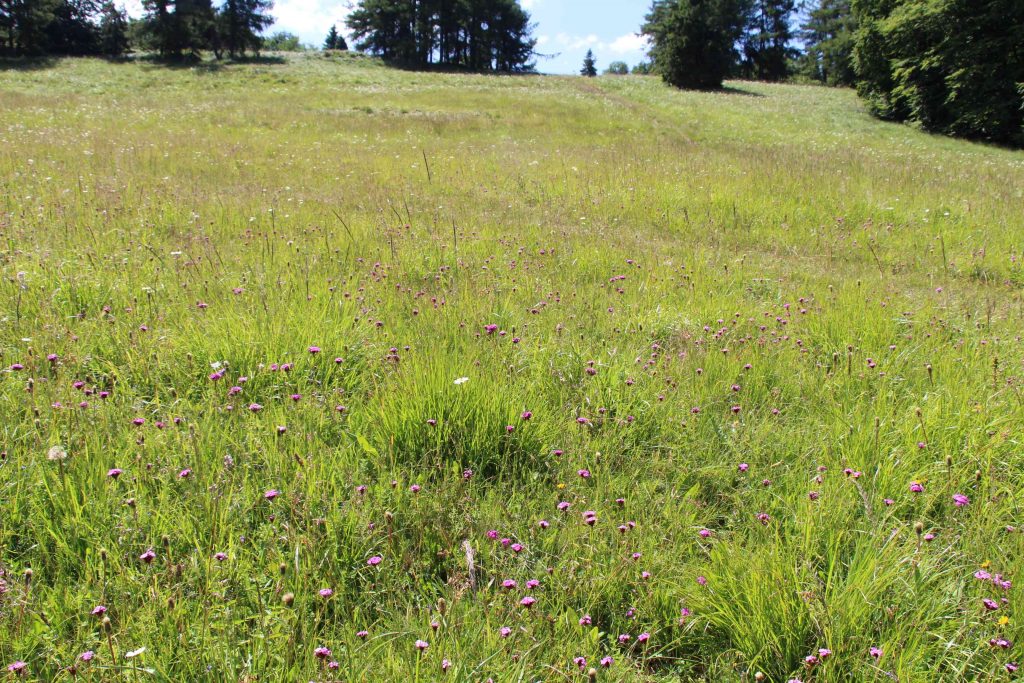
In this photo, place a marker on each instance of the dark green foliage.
(241, 23)
(589, 68)
(694, 41)
(283, 41)
(828, 34)
(617, 68)
(951, 66)
(71, 30)
(23, 26)
(480, 35)
(334, 40)
(113, 30)
(643, 68)
(766, 50)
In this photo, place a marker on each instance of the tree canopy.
(478, 35)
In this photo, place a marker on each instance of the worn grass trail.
(708, 384)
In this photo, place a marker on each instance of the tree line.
(478, 35)
(950, 66)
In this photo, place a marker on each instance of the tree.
(283, 41)
(331, 42)
(589, 65)
(113, 30)
(643, 68)
(70, 29)
(617, 69)
(23, 25)
(479, 35)
(950, 66)
(766, 50)
(694, 41)
(828, 35)
(242, 22)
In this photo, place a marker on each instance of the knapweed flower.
(563, 506)
(532, 583)
(528, 601)
(271, 494)
(445, 664)
(185, 473)
(1011, 667)
(824, 653)
(743, 467)
(505, 631)
(17, 668)
(916, 487)
(763, 518)
(333, 666)
(114, 472)
(875, 652)
(415, 488)
(960, 500)
(624, 638)
(643, 637)
(99, 610)
(422, 645)
(509, 584)
(607, 662)
(87, 656)
(584, 474)
(580, 662)
(322, 652)
(990, 604)
(220, 557)
(585, 620)
(325, 593)
(313, 350)
(148, 556)
(374, 561)
(362, 634)
(543, 524)
(704, 533)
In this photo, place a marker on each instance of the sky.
(565, 28)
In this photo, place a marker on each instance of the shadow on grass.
(731, 90)
(28, 63)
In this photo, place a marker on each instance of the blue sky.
(565, 29)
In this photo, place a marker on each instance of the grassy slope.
(772, 226)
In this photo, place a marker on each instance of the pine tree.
(693, 41)
(480, 35)
(331, 42)
(828, 34)
(766, 50)
(113, 30)
(23, 25)
(242, 22)
(589, 65)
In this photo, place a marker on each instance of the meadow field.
(323, 371)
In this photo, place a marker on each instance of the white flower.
(462, 380)
(134, 653)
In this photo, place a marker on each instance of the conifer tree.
(589, 65)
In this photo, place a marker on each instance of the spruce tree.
(331, 42)
(113, 30)
(242, 22)
(589, 65)
(828, 34)
(694, 41)
(766, 50)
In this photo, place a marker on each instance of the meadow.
(323, 371)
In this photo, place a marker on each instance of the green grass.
(860, 284)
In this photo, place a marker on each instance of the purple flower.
(17, 667)
(314, 350)
(422, 645)
(704, 533)
(744, 467)
(445, 664)
(960, 500)
(114, 473)
(271, 494)
(148, 556)
(990, 604)
(374, 561)
(584, 474)
(99, 610)
(505, 631)
(362, 634)
(915, 487)
(624, 638)
(643, 637)
(185, 473)
(607, 662)
(509, 584)
(322, 653)
(875, 652)
(585, 620)
(528, 601)
(87, 656)
(326, 593)
(580, 662)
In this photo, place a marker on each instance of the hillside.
(313, 353)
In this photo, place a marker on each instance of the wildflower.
(185, 473)
(333, 666)
(990, 604)
(508, 584)
(526, 415)
(744, 467)
(875, 652)
(322, 653)
(374, 561)
(362, 634)
(313, 350)
(563, 506)
(17, 668)
(148, 556)
(960, 500)
(824, 653)
(585, 620)
(114, 473)
(643, 637)
(532, 583)
(87, 656)
(584, 474)
(220, 557)
(415, 488)
(581, 662)
(543, 524)
(505, 632)
(624, 638)
(607, 662)
(704, 533)
(422, 645)
(915, 487)
(326, 593)
(702, 581)
(99, 610)
(271, 494)
(528, 601)
(1011, 667)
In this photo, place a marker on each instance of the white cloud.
(623, 45)
(310, 20)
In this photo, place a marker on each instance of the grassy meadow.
(323, 371)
